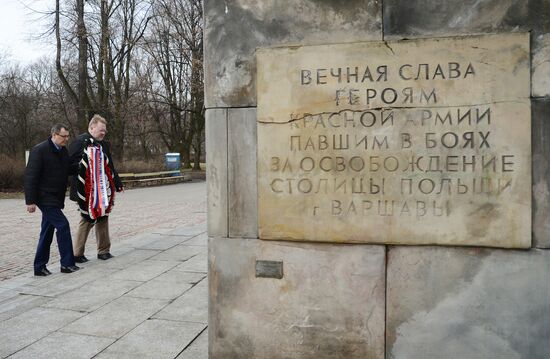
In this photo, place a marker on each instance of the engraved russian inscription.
(357, 143)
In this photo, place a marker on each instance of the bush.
(141, 166)
(11, 174)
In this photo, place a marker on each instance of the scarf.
(95, 183)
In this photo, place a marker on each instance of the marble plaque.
(425, 141)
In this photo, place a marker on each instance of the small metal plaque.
(269, 269)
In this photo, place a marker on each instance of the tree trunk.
(117, 132)
(83, 103)
(197, 162)
(185, 151)
(72, 95)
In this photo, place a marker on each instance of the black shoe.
(80, 259)
(42, 272)
(105, 256)
(69, 269)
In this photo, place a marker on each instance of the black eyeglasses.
(64, 136)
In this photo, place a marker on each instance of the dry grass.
(140, 166)
(11, 174)
(155, 164)
(12, 195)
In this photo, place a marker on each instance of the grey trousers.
(101, 235)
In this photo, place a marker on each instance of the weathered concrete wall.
(467, 303)
(540, 108)
(329, 303)
(235, 28)
(216, 175)
(243, 208)
(349, 301)
(430, 18)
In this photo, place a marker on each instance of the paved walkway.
(136, 211)
(150, 301)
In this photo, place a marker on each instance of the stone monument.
(377, 179)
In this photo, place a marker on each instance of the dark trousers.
(54, 219)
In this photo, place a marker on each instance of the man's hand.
(120, 189)
(31, 208)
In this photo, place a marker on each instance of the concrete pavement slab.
(29, 280)
(18, 304)
(137, 211)
(142, 240)
(24, 329)
(180, 253)
(116, 318)
(198, 263)
(93, 295)
(117, 250)
(22, 279)
(198, 348)
(101, 309)
(190, 307)
(165, 242)
(131, 257)
(164, 339)
(189, 230)
(168, 285)
(199, 240)
(163, 230)
(6, 293)
(176, 276)
(64, 345)
(156, 289)
(145, 270)
(64, 282)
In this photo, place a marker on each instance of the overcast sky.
(18, 25)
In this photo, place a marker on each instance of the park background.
(138, 63)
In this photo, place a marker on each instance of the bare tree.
(25, 112)
(136, 62)
(107, 33)
(175, 79)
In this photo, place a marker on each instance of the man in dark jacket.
(46, 178)
(97, 129)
